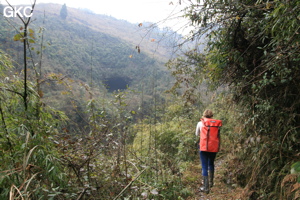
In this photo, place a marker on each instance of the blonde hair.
(208, 114)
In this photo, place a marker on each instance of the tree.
(64, 12)
(253, 47)
(26, 126)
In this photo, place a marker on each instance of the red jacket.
(210, 135)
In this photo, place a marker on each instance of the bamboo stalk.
(129, 184)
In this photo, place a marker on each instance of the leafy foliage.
(130, 146)
(296, 169)
(46, 155)
(253, 48)
(29, 167)
(64, 12)
(88, 47)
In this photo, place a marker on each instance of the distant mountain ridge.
(132, 33)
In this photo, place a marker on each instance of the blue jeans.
(207, 160)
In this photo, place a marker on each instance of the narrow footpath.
(223, 189)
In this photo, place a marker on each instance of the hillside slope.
(132, 33)
(89, 47)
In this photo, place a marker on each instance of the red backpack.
(210, 135)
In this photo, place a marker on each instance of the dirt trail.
(223, 189)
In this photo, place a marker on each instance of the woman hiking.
(208, 129)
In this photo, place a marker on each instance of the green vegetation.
(82, 54)
(64, 12)
(253, 48)
(63, 135)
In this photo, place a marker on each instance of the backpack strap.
(207, 136)
(219, 136)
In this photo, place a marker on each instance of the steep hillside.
(90, 47)
(132, 33)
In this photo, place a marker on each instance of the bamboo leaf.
(18, 36)
(28, 157)
(31, 41)
(29, 181)
(31, 31)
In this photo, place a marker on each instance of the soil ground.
(223, 189)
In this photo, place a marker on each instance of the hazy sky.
(134, 11)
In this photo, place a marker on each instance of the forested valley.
(92, 107)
